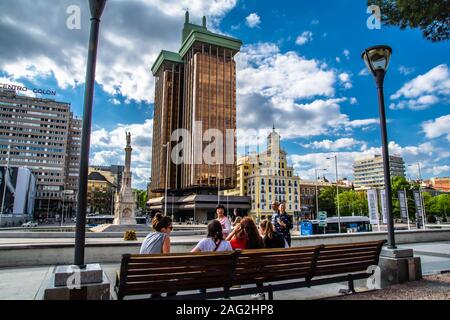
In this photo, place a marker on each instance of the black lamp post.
(96, 8)
(377, 60)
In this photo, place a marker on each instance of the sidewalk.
(434, 287)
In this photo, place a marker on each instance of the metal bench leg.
(351, 284)
(270, 292)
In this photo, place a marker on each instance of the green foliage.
(431, 16)
(141, 196)
(130, 235)
(353, 203)
(327, 198)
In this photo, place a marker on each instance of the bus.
(348, 225)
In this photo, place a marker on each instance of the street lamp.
(337, 191)
(96, 8)
(377, 60)
(317, 192)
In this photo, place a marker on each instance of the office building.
(369, 172)
(42, 135)
(266, 177)
(195, 91)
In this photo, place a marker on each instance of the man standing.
(283, 223)
(275, 211)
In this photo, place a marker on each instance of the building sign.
(403, 204)
(322, 217)
(383, 205)
(372, 199)
(45, 92)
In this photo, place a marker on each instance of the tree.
(353, 203)
(327, 198)
(431, 16)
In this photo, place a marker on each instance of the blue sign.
(306, 228)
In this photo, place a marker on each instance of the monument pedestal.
(398, 266)
(73, 283)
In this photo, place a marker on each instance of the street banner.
(383, 205)
(403, 204)
(372, 200)
(418, 203)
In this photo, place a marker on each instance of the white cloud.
(296, 93)
(343, 143)
(405, 70)
(107, 148)
(253, 20)
(346, 53)
(438, 170)
(424, 91)
(353, 100)
(437, 127)
(305, 37)
(131, 36)
(338, 60)
(345, 80)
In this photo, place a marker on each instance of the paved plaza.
(26, 283)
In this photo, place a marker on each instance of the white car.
(30, 224)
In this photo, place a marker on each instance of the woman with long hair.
(272, 239)
(158, 241)
(214, 240)
(245, 235)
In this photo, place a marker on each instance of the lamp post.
(96, 8)
(317, 192)
(337, 192)
(377, 60)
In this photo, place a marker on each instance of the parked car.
(30, 224)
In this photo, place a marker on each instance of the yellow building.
(100, 194)
(266, 177)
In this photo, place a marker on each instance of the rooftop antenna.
(186, 16)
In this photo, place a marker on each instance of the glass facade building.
(195, 91)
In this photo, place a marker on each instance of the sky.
(299, 69)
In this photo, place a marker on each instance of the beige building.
(369, 172)
(44, 136)
(267, 177)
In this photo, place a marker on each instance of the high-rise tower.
(196, 86)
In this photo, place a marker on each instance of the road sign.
(322, 217)
(306, 228)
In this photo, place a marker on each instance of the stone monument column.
(125, 205)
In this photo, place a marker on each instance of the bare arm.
(166, 245)
(233, 232)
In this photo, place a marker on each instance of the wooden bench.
(268, 270)
(165, 273)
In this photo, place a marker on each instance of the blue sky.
(300, 68)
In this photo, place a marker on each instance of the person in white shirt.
(214, 241)
(224, 221)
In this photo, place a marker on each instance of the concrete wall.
(51, 254)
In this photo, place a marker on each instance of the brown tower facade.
(196, 91)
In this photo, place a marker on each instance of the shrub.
(130, 235)
(431, 219)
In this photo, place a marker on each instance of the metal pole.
(387, 174)
(62, 209)
(4, 184)
(337, 195)
(96, 8)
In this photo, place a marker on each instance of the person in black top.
(284, 224)
(272, 239)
